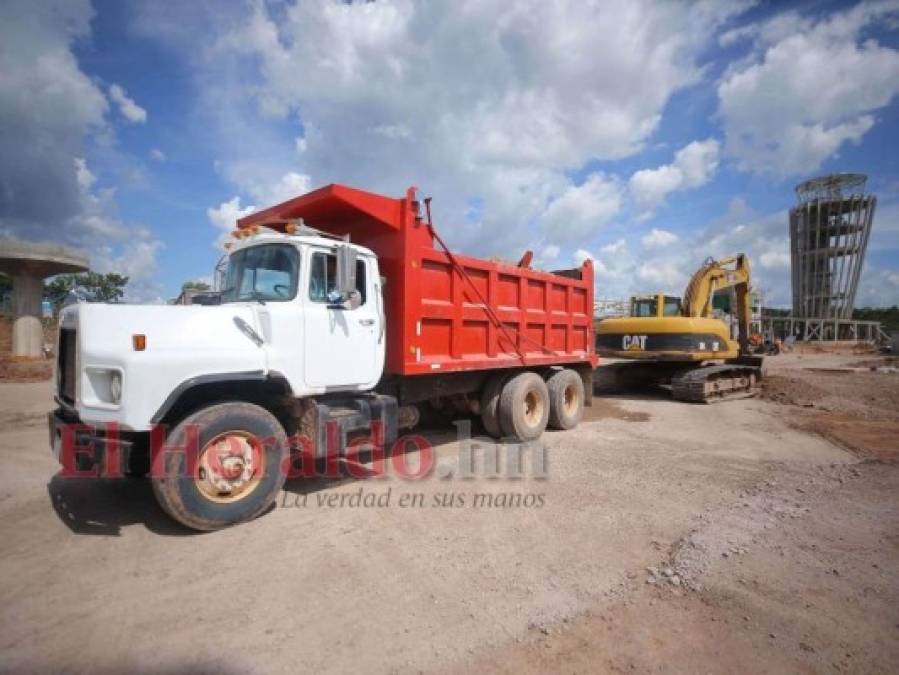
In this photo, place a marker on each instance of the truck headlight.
(115, 386)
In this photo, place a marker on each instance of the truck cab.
(291, 283)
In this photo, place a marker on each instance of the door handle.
(367, 322)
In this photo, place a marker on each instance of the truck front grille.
(65, 364)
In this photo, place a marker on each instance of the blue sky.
(646, 136)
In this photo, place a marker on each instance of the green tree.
(195, 286)
(888, 316)
(108, 287)
(5, 284)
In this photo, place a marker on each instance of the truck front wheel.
(220, 466)
(524, 406)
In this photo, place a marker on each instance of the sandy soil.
(19, 369)
(858, 410)
(670, 537)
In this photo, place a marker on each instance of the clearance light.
(139, 342)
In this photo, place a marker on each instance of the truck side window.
(323, 277)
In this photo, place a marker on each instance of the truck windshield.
(267, 272)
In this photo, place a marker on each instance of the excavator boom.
(716, 275)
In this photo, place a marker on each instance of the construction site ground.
(758, 535)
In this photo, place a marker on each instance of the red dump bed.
(446, 312)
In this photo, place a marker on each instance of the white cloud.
(665, 264)
(775, 260)
(127, 107)
(582, 209)
(262, 188)
(83, 175)
(290, 185)
(137, 259)
(764, 238)
(580, 255)
(300, 144)
(658, 238)
(693, 165)
(157, 155)
(48, 107)
(885, 231)
(666, 276)
(393, 131)
(549, 253)
(878, 287)
(113, 245)
(617, 247)
(52, 112)
(504, 101)
(520, 65)
(807, 88)
(224, 218)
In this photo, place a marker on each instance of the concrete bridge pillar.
(27, 331)
(29, 263)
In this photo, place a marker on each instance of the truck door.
(342, 346)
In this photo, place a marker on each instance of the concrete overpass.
(29, 263)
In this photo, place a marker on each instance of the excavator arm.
(715, 275)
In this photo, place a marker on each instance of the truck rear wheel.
(524, 407)
(236, 473)
(490, 404)
(566, 399)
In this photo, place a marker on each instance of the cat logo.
(633, 343)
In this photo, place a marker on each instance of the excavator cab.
(656, 306)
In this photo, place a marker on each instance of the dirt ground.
(665, 537)
(14, 369)
(853, 403)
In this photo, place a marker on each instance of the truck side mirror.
(346, 276)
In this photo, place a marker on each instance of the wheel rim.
(533, 408)
(572, 400)
(229, 467)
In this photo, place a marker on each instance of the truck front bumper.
(80, 447)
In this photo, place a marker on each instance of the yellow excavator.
(678, 342)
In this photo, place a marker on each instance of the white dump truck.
(338, 315)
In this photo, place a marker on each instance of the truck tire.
(490, 404)
(566, 399)
(524, 407)
(237, 473)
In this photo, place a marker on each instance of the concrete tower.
(829, 230)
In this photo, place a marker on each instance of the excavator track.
(710, 384)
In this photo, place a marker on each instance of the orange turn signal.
(139, 342)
